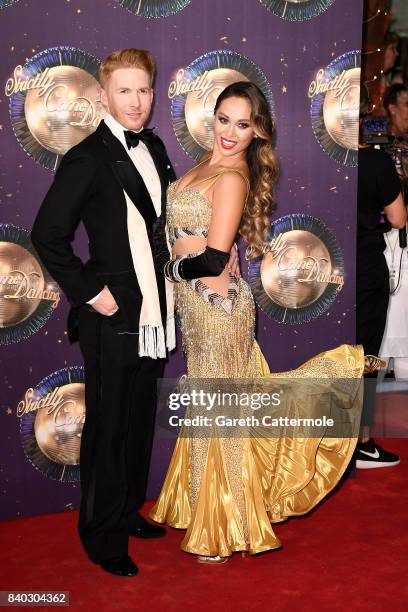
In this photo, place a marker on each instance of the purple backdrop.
(289, 53)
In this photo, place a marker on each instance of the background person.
(394, 345)
(378, 190)
(396, 106)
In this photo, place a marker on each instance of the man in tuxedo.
(115, 182)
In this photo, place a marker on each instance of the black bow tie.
(133, 138)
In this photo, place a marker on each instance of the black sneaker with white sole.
(370, 455)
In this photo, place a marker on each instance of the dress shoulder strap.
(215, 177)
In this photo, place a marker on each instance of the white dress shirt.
(144, 164)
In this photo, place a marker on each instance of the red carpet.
(349, 554)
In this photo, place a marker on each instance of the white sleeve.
(94, 298)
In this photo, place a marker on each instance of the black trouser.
(372, 295)
(120, 395)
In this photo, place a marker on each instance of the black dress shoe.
(146, 530)
(120, 566)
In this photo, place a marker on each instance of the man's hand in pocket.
(105, 304)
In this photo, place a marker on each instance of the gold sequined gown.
(227, 492)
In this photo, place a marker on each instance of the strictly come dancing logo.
(52, 416)
(4, 3)
(154, 9)
(300, 271)
(54, 102)
(28, 295)
(194, 90)
(334, 109)
(297, 10)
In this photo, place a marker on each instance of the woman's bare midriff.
(192, 244)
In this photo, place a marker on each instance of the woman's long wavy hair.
(262, 164)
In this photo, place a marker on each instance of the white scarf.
(152, 338)
(152, 342)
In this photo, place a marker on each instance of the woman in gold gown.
(226, 492)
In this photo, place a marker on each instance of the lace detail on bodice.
(188, 213)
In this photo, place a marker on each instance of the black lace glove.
(210, 263)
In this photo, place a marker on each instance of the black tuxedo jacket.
(88, 188)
